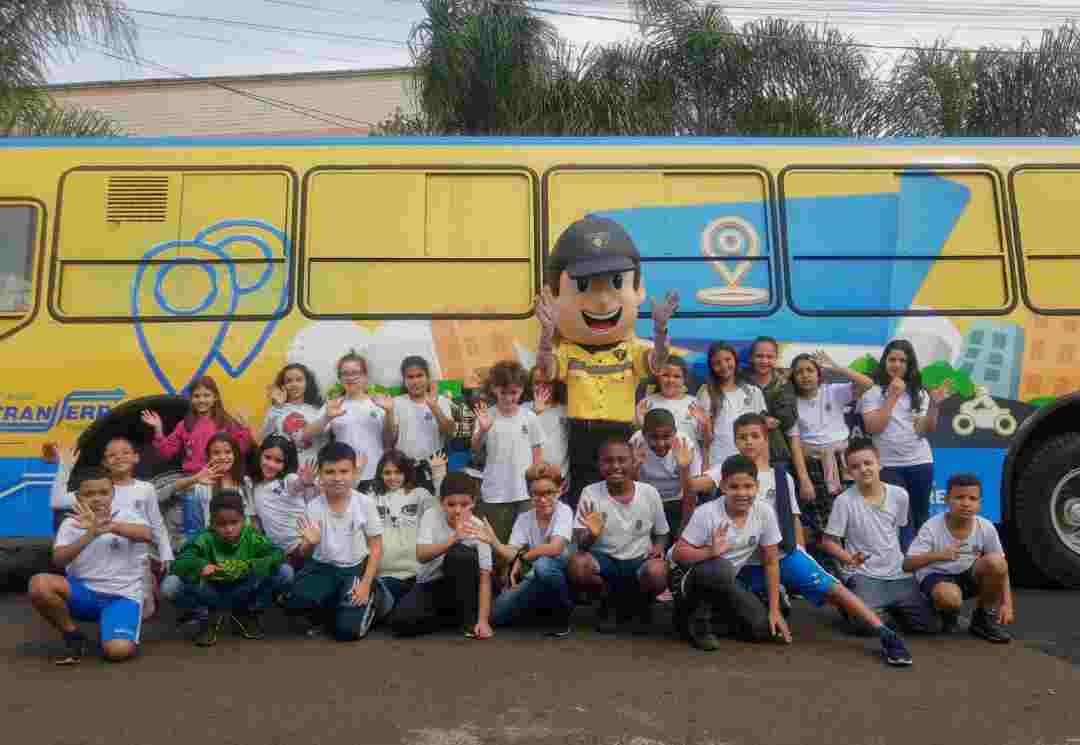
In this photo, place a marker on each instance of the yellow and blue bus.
(129, 267)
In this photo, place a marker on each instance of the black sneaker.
(606, 622)
(249, 623)
(700, 629)
(985, 625)
(560, 623)
(75, 646)
(950, 621)
(894, 650)
(209, 630)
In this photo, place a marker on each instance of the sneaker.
(249, 623)
(75, 646)
(605, 618)
(894, 650)
(950, 622)
(560, 624)
(665, 597)
(985, 625)
(700, 630)
(209, 630)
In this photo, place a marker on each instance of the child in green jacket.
(227, 570)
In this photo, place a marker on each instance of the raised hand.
(721, 544)
(153, 420)
(383, 401)
(482, 532)
(640, 455)
(438, 461)
(772, 422)
(942, 392)
(663, 310)
(541, 397)
(483, 416)
(642, 409)
(335, 407)
(592, 519)
(210, 473)
(309, 530)
(545, 310)
(431, 398)
(823, 360)
(209, 569)
(306, 472)
(464, 529)
(683, 454)
(276, 394)
(89, 520)
(897, 386)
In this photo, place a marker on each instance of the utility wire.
(308, 111)
(267, 27)
(233, 42)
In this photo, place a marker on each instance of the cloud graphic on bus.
(847, 253)
(224, 286)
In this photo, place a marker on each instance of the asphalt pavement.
(521, 688)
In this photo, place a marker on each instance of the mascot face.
(600, 309)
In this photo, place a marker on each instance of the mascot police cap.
(593, 246)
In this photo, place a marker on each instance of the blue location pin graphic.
(224, 284)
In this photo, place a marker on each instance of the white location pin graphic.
(727, 240)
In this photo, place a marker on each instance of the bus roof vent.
(137, 198)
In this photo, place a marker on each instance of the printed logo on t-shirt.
(638, 525)
(409, 510)
(752, 541)
(771, 494)
(115, 544)
(748, 400)
(524, 429)
(620, 354)
(384, 511)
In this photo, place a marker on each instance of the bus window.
(703, 231)
(884, 241)
(1047, 225)
(171, 245)
(381, 243)
(18, 229)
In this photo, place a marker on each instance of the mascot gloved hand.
(587, 310)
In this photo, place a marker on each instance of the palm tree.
(32, 33)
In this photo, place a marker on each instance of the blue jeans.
(396, 589)
(250, 593)
(544, 588)
(918, 482)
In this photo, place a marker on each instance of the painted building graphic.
(1051, 357)
(992, 356)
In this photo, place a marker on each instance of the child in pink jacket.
(206, 419)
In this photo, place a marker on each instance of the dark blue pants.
(250, 593)
(918, 481)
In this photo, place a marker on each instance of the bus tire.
(1046, 503)
(21, 558)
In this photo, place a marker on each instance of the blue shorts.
(965, 580)
(618, 571)
(118, 617)
(799, 573)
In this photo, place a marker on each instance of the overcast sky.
(371, 33)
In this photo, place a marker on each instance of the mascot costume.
(587, 311)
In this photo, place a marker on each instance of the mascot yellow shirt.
(601, 382)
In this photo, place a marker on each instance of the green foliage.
(867, 365)
(937, 373)
(31, 113)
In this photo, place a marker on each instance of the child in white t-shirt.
(281, 490)
(864, 535)
(958, 555)
(341, 541)
(670, 462)
(102, 549)
(820, 436)
(419, 421)
(691, 419)
(549, 405)
(725, 399)
(720, 538)
(512, 440)
(129, 495)
(401, 504)
(898, 412)
(294, 404)
(356, 418)
(535, 557)
(620, 530)
(453, 584)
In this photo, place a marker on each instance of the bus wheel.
(1046, 508)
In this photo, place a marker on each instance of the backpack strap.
(783, 510)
